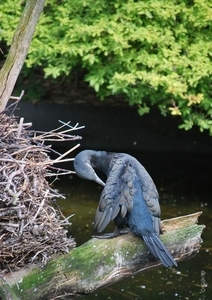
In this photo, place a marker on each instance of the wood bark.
(19, 49)
(99, 263)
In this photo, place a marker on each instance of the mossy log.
(99, 263)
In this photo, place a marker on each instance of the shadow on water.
(184, 185)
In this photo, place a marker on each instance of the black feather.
(158, 250)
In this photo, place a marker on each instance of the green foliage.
(154, 53)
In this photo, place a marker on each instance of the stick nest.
(32, 229)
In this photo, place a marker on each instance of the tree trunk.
(99, 263)
(19, 49)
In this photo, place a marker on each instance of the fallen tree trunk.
(99, 262)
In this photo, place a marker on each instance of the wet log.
(99, 263)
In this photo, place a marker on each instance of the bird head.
(83, 167)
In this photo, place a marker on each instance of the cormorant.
(129, 197)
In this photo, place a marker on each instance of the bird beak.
(99, 181)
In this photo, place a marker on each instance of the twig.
(66, 153)
(17, 98)
(41, 205)
(20, 127)
(72, 127)
(61, 135)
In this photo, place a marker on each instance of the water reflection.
(191, 280)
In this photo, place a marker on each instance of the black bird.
(129, 197)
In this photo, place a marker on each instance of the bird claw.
(105, 236)
(124, 231)
(112, 235)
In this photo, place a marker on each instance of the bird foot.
(124, 231)
(105, 236)
(116, 233)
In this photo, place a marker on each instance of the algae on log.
(99, 262)
(19, 49)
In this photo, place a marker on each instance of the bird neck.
(100, 160)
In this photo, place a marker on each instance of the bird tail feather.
(159, 251)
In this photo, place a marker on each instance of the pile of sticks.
(32, 229)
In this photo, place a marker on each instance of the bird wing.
(133, 175)
(117, 195)
(150, 195)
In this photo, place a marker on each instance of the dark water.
(182, 191)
